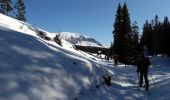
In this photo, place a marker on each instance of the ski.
(142, 89)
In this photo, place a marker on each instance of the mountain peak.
(78, 39)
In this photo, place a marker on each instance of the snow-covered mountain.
(78, 39)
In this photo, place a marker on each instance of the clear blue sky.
(93, 18)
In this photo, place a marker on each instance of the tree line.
(156, 36)
(127, 43)
(16, 10)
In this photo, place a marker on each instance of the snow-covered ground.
(125, 81)
(32, 68)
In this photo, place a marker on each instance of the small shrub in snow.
(107, 79)
(47, 38)
(41, 34)
(57, 40)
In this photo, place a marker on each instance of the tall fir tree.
(117, 30)
(126, 20)
(20, 10)
(135, 38)
(126, 32)
(166, 37)
(156, 35)
(144, 39)
(6, 7)
(135, 32)
(122, 32)
(147, 37)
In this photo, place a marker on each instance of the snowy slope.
(16, 25)
(36, 69)
(75, 38)
(32, 68)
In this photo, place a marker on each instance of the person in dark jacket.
(115, 60)
(143, 66)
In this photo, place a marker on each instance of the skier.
(142, 68)
(115, 60)
(126, 60)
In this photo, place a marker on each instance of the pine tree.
(126, 20)
(135, 37)
(135, 32)
(166, 37)
(20, 10)
(144, 38)
(156, 35)
(122, 32)
(6, 7)
(117, 30)
(126, 33)
(147, 37)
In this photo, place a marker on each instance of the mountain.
(78, 39)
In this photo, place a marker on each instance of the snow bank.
(33, 68)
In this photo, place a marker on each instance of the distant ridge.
(78, 39)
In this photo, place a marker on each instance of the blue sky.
(93, 18)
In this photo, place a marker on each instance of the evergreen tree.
(122, 32)
(20, 10)
(166, 37)
(126, 33)
(126, 20)
(156, 35)
(147, 37)
(135, 32)
(117, 30)
(135, 37)
(144, 39)
(6, 6)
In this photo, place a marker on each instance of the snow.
(32, 68)
(29, 67)
(125, 81)
(78, 39)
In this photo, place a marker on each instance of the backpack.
(144, 64)
(146, 61)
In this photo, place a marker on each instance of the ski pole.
(138, 81)
(151, 77)
(138, 78)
